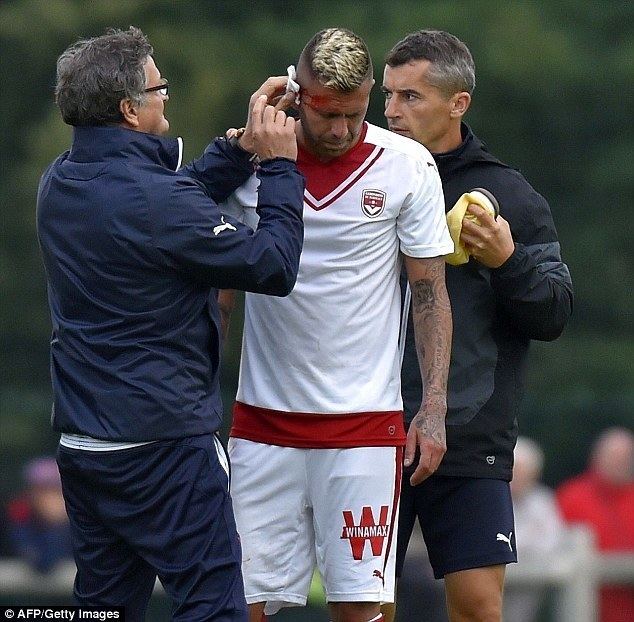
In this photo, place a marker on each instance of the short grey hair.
(451, 69)
(94, 75)
(338, 58)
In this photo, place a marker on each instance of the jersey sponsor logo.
(224, 226)
(367, 530)
(502, 538)
(373, 202)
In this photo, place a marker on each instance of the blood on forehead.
(318, 102)
(332, 103)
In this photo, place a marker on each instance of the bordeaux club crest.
(373, 203)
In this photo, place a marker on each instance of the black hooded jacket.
(496, 312)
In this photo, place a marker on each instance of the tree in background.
(555, 102)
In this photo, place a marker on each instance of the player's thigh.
(467, 523)
(274, 519)
(355, 494)
(475, 595)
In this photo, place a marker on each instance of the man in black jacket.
(514, 288)
(134, 249)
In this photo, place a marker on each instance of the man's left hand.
(488, 240)
(427, 432)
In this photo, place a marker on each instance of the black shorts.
(157, 510)
(466, 522)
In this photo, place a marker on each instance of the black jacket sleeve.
(534, 285)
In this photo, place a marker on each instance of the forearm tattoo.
(423, 295)
(431, 314)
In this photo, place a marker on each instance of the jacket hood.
(96, 144)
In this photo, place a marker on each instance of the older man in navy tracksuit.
(134, 249)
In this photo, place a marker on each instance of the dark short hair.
(451, 70)
(338, 58)
(94, 75)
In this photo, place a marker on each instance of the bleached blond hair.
(338, 58)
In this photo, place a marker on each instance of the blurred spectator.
(603, 499)
(539, 528)
(37, 521)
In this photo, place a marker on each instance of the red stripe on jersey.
(344, 188)
(395, 501)
(338, 174)
(316, 430)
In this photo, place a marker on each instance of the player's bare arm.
(489, 240)
(431, 315)
(226, 303)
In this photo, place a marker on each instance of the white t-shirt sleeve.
(421, 225)
(242, 203)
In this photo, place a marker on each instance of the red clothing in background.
(608, 509)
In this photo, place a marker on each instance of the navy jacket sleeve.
(534, 285)
(193, 237)
(221, 169)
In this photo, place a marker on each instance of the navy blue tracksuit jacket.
(133, 250)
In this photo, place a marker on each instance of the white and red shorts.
(334, 509)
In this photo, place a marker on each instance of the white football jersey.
(331, 346)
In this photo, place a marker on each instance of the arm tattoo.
(431, 315)
(423, 294)
(432, 426)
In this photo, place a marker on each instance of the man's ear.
(129, 112)
(460, 104)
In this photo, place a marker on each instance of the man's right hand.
(268, 128)
(272, 131)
